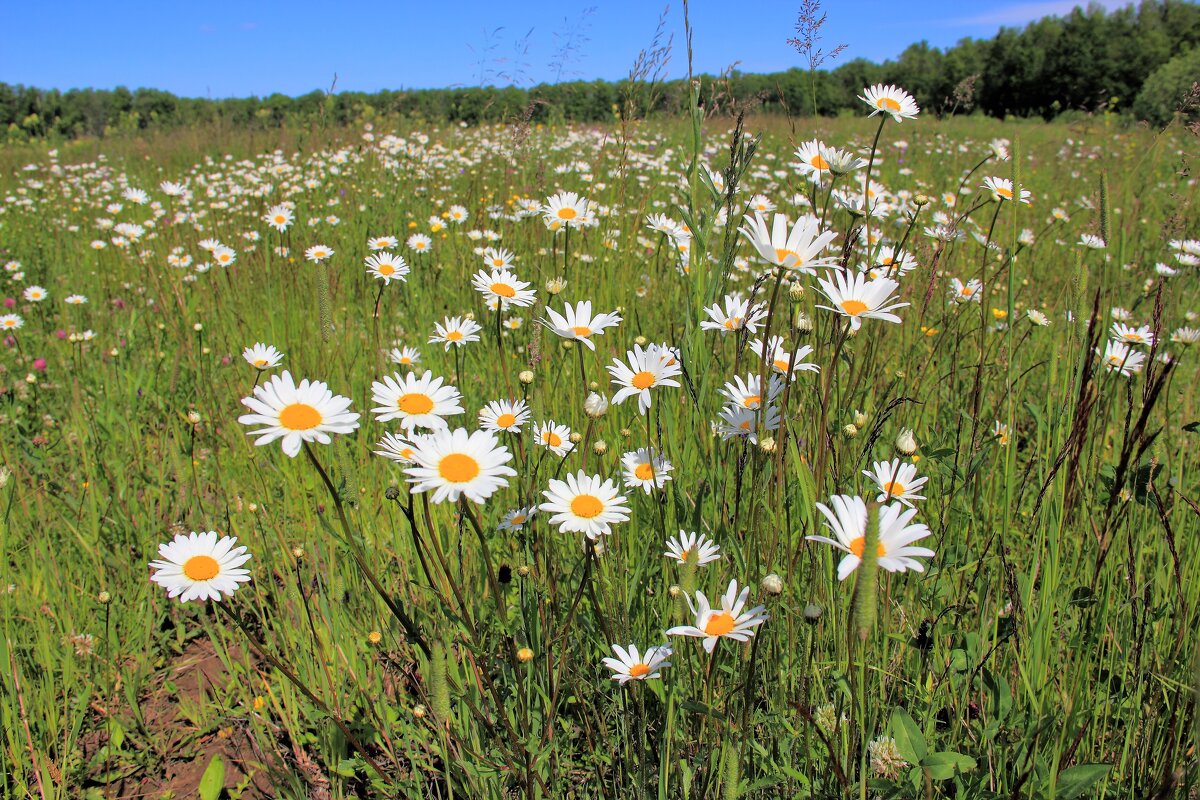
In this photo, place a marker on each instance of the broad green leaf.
(213, 779)
(909, 739)
(1078, 779)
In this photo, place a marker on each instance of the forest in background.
(1140, 61)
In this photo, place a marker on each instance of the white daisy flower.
(297, 414)
(422, 402)
(504, 415)
(848, 522)
(686, 545)
(200, 566)
(896, 481)
(629, 665)
(457, 464)
(727, 622)
(584, 504)
(646, 469)
(262, 356)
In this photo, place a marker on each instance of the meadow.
(985, 410)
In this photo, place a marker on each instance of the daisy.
(1001, 434)
(516, 519)
(394, 448)
(892, 264)
(646, 469)
(1119, 357)
(554, 437)
(386, 266)
(75, 300)
(747, 392)
(854, 296)
(738, 315)
(382, 242)
(502, 286)
(1092, 241)
(584, 504)
(297, 414)
(965, 292)
(455, 331)
(781, 357)
(896, 481)
(455, 463)
(224, 256)
(842, 162)
(661, 223)
(576, 322)
(279, 217)
(34, 294)
(405, 356)
(890, 100)
(1131, 335)
(262, 356)
(1037, 317)
(318, 253)
(417, 402)
(419, 243)
(848, 522)
(728, 622)
(629, 665)
(812, 160)
(1186, 335)
(457, 214)
(200, 566)
(645, 369)
(686, 545)
(800, 249)
(1002, 189)
(138, 196)
(565, 208)
(504, 415)
(737, 423)
(498, 258)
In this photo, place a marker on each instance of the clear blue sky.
(235, 49)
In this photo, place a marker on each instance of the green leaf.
(213, 780)
(909, 739)
(1078, 779)
(346, 767)
(944, 765)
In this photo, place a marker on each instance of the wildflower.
(1092, 241)
(1002, 189)
(405, 356)
(554, 437)
(417, 402)
(687, 545)
(890, 100)
(455, 331)
(771, 584)
(498, 258)
(906, 442)
(738, 315)
(455, 463)
(848, 522)
(1186, 335)
(782, 357)
(503, 287)
(279, 217)
(855, 297)
(394, 448)
(812, 160)
(297, 413)
(504, 415)
(596, 405)
(728, 622)
(1119, 357)
(516, 519)
(34, 294)
(318, 253)
(630, 666)
(646, 469)
(262, 356)
(584, 504)
(419, 243)
(576, 322)
(748, 393)
(565, 208)
(1000, 433)
(200, 566)
(965, 292)
(646, 369)
(386, 266)
(75, 300)
(886, 761)
(736, 422)
(800, 249)
(1037, 317)
(1128, 334)
(382, 242)
(896, 481)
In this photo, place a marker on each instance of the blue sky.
(236, 49)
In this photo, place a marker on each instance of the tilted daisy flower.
(585, 504)
(1001, 433)
(1092, 242)
(629, 665)
(307, 412)
(405, 356)
(75, 299)
(798, 249)
(645, 469)
(318, 253)
(387, 266)
(262, 356)
(848, 522)
(495, 258)
(419, 243)
(382, 242)
(1185, 335)
(1120, 357)
(224, 256)
(279, 217)
(34, 294)
(747, 392)
(455, 331)
(576, 322)
(842, 162)
(554, 437)
(642, 371)
(729, 621)
(517, 519)
(892, 264)
(395, 448)
(890, 100)
(1128, 334)
(565, 208)
(422, 402)
(661, 223)
(502, 286)
(781, 357)
(459, 464)
(811, 158)
(738, 315)
(965, 292)
(1037, 317)
(745, 423)
(693, 545)
(856, 297)
(1002, 189)
(504, 415)
(200, 566)
(896, 481)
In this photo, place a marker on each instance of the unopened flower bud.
(768, 444)
(556, 285)
(796, 291)
(576, 437)
(906, 442)
(523, 571)
(391, 493)
(674, 590)
(850, 431)
(804, 324)
(524, 655)
(812, 613)
(640, 341)
(921, 200)
(861, 419)
(600, 447)
(526, 377)
(419, 711)
(596, 405)
(103, 598)
(772, 584)
(374, 637)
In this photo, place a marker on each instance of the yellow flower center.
(260, 362)
(854, 307)
(551, 438)
(638, 670)
(201, 568)
(458, 468)
(506, 420)
(503, 290)
(858, 544)
(385, 269)
(454, 336)
(1005, 193)
(781, 255)
(719, 624)
(819, 162)
(567, 213)
(581, 331)
(887, 103)
(894, 489)
(643, 380)
(299, 417)
(752, 401)
(644, 472)
(415, 403)
(280, 219)
(519, 519)
(586, 506)
(497, 262)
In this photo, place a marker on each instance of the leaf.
(944, 765)
(213, 780)
(1078, 779)
(346, 767)
(909, 739)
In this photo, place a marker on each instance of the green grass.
(1053, 631)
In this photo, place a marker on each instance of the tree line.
(1142, 60)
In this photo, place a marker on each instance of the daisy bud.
(772, 584)
(850, 431)
(674, 590)
(596, 405)
(524, 655)
(626, 433)
(556, 285)
(391, 493)
(566, 344)
(103, 598)
(640, 341)
(193, 418)
(804, 324)
(796, 291)
(812, 613)
(419, 711)
(576, 437)
(31, 378)
(197, 327)
(526, 377)
(523, 571)
(252, 507)
(906, 442)
(297, 553)
(374, 637)
(593, 386)
(600, 447)
(921, 200)
(768, 445)
(861, 419)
